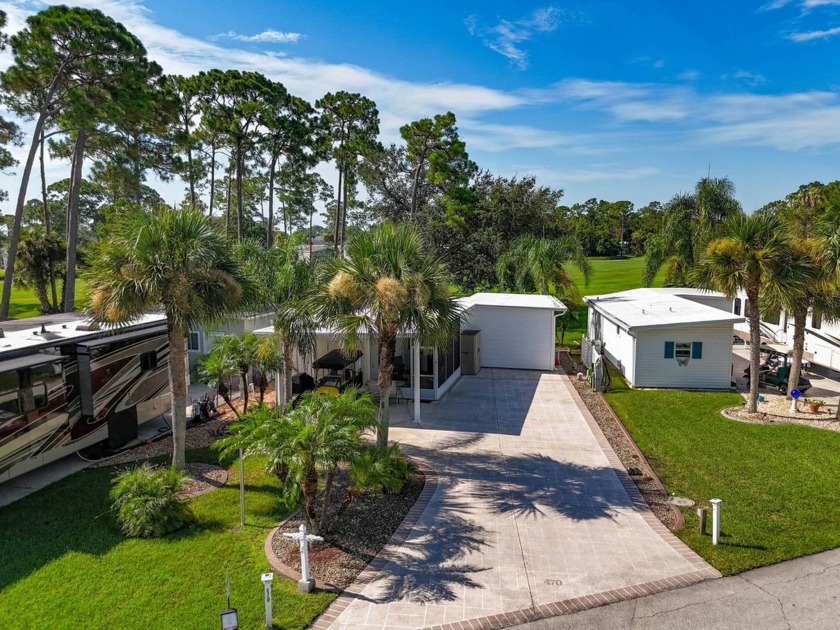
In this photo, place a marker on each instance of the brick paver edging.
(390, 550)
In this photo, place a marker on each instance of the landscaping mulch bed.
(355, 537)
(776, 410)
(626, 451)
(203, 479)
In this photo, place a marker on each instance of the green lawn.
(608, 276)
(65, 565)
(24, 302)
(779, 484)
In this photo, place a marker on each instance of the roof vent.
(43, 328)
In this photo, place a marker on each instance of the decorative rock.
(633, 471)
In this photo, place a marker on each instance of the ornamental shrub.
(148, 503)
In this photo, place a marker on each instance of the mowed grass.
(608, 276)
(65, 564)
(778, 484)
(24, 302)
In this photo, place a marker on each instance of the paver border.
(389, 551)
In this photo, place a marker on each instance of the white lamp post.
(715, 520)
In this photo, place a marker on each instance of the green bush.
(381, 470)
(147, 501)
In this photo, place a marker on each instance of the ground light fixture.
(266, 579)
(715, 520)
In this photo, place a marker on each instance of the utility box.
(470, 352)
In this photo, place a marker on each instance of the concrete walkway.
(801, 594)
(533, 516)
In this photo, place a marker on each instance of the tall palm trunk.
(799, 317)
(41, 292)
(47, 227)
(223, 391)
(755, 345)
(73, 223)
(270, 228)
(178, 388)
(287, 373)
(14, 237)
(212, 177)
(387, 350)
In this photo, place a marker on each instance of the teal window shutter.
(669, 349)
(696, 349)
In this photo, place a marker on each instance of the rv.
(822, 338)
(67, 384)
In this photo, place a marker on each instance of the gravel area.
(776, 410)
(354, 540)
(645, 482)
(203, 479)
(198, 436)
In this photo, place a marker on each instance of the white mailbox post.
(267, 578)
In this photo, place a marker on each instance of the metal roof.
(660, 308)
(515, 300)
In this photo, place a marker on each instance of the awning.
(336, 360)
(780, 348)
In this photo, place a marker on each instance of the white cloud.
(269, 36)
(689, 75)
(805, 5)
(809, 36)
(750, 78)
(506, 37)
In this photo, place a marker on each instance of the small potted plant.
(814, 405)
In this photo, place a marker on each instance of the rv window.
(774, 318)
(148, 361)
(816, 319)
(737, 309)
(9, 402)
(192, 341)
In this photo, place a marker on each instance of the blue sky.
(618, 100)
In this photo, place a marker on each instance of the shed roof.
(516, 300)
(660, 308)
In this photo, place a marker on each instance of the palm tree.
(216, 368)
(38, 253)
(241, 351)
(176, 260)
(287, 284)
(390, 283)
(691, 220)
(813, 287)
(537, 264)
(305, 445)
(267, 360)
(753, 252)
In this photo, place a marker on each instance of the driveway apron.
(533, 515)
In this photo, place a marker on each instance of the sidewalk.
(796, 595)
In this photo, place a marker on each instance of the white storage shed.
(677, 338)
(517, 330)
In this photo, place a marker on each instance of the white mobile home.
(666, 338)
(513, 331)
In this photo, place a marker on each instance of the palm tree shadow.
(431, 563)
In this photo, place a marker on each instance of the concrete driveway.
(532, 515)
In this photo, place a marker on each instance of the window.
(683, 351)
(148, 361)
(192, 341)
(737, 307)
(774, 318)
(816, 319)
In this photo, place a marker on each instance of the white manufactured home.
(499, 330)
(665, 338)
(822, 337)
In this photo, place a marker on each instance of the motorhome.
(822, 337)
(67, 383)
